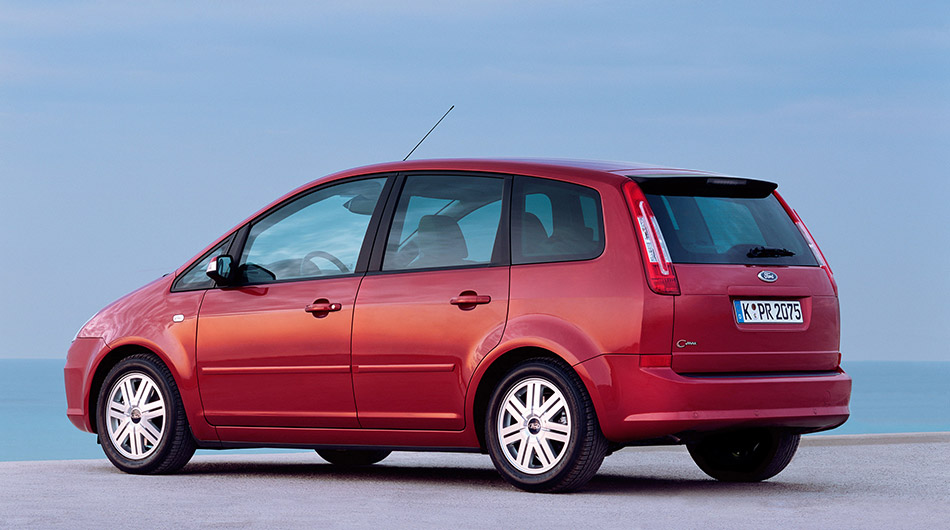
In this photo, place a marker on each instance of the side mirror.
(219, 269)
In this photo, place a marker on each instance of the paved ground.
(896, 481)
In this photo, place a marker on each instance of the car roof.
(528, 166)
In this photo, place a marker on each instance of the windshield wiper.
(765, 252)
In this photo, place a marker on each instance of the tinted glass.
(555, 221)
(445, 221)
(317, 235)
(195, 277)
(751, 231)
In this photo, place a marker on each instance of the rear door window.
(730, 230)
(446, 221)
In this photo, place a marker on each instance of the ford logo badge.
(768, 276)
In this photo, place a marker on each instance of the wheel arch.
(113, 357)
(495, 370)
(182, 370)
(528, 336)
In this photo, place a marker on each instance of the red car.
(546, 312)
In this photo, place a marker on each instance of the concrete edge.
(821, 440)
(827, 440)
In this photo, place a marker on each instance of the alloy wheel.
(534, 426)
(136, 416)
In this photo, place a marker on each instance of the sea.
(887, 397)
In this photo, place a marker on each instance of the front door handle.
(322, 306)
(469, 299)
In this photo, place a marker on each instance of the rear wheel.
(541, 429)
(352, 457)
(140, 418)
(745, 456)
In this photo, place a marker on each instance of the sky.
(132, 134)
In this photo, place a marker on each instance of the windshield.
(743, 231)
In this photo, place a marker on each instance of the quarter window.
(555, 221)
(196, 278)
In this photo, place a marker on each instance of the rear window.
(731, 230)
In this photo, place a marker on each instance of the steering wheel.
(325, 255)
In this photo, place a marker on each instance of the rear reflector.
(656, 262)
(656, 360)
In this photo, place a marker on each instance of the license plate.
(768, 312)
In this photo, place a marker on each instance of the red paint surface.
(264, 360)
(414, 352)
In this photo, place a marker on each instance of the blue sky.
(132, 134)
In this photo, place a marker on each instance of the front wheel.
(541, 429)
(353, 457)
(744, 456)
(140, 418)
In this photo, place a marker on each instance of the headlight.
(88, 320)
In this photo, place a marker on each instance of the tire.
(354, 457)
(745, 456)
(140, 418)
(551, 443)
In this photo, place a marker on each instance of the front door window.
(315, 236)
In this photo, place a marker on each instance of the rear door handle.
(470, 299)
(323, 306)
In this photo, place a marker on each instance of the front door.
(274, 349)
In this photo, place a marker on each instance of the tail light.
(656, 258)
(819, 256)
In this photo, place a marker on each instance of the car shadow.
(620, 484)
(469, 477)
(463, 476)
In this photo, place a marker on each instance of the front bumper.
(79, 362)
(635, 402)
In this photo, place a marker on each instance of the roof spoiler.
(705, 186)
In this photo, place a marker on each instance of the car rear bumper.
(635, 402)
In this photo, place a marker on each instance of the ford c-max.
(545, 312)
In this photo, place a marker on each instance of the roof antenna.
(428, 133)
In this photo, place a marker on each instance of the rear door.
(436, 305)
(754, 297)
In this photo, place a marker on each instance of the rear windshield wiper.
(765, 252)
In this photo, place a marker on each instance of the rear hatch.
(755, 293)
